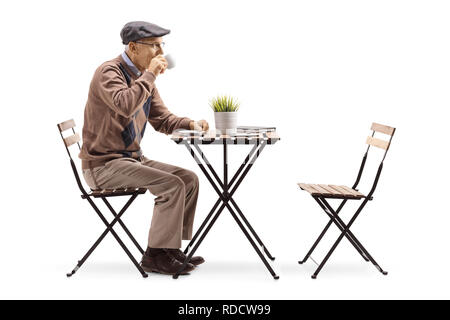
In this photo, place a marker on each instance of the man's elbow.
(160, 127)
(122, 108)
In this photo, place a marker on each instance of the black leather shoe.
(180, 256)
(162, 262)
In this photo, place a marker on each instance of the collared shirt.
(130, 64)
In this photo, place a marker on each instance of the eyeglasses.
(154, 45)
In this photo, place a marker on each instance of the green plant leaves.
(224, 104)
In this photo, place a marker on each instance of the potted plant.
(225, 113)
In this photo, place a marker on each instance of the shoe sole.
(147, 270)
(198, 263)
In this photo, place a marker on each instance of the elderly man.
(122, 98)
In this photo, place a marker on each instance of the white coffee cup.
(170, 61)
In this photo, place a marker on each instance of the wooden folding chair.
(320, 192)
(103, 194)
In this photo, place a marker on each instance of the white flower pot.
(226, 122)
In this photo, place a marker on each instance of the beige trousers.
(175, 188)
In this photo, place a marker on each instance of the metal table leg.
(225, 197)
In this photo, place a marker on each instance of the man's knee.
(177, 183)
(192, 179)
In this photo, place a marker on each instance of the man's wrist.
(149, 75)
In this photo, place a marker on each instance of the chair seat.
(115, 192)
(331, 191)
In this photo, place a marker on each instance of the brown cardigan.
(116, 113)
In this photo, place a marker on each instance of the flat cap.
(136, 30)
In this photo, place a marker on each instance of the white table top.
(212, 137)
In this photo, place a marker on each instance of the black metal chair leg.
(341, 236)
(123, 226)
(364, 250)
(143, 273)
(324, 231)
(340, 224)
(316, 243)
(314, 276)
(350, 237)
(109, 228)
(73, 271)
(86, 256)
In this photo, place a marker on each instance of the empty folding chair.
(103, 194)
(321, 192)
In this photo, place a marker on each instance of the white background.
(320, 71)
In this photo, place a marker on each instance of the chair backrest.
(379, 143)
(69, 141)
(72, 139)
(383, 144)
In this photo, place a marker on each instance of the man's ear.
(132, 47)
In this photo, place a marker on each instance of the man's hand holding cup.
(157, 65)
